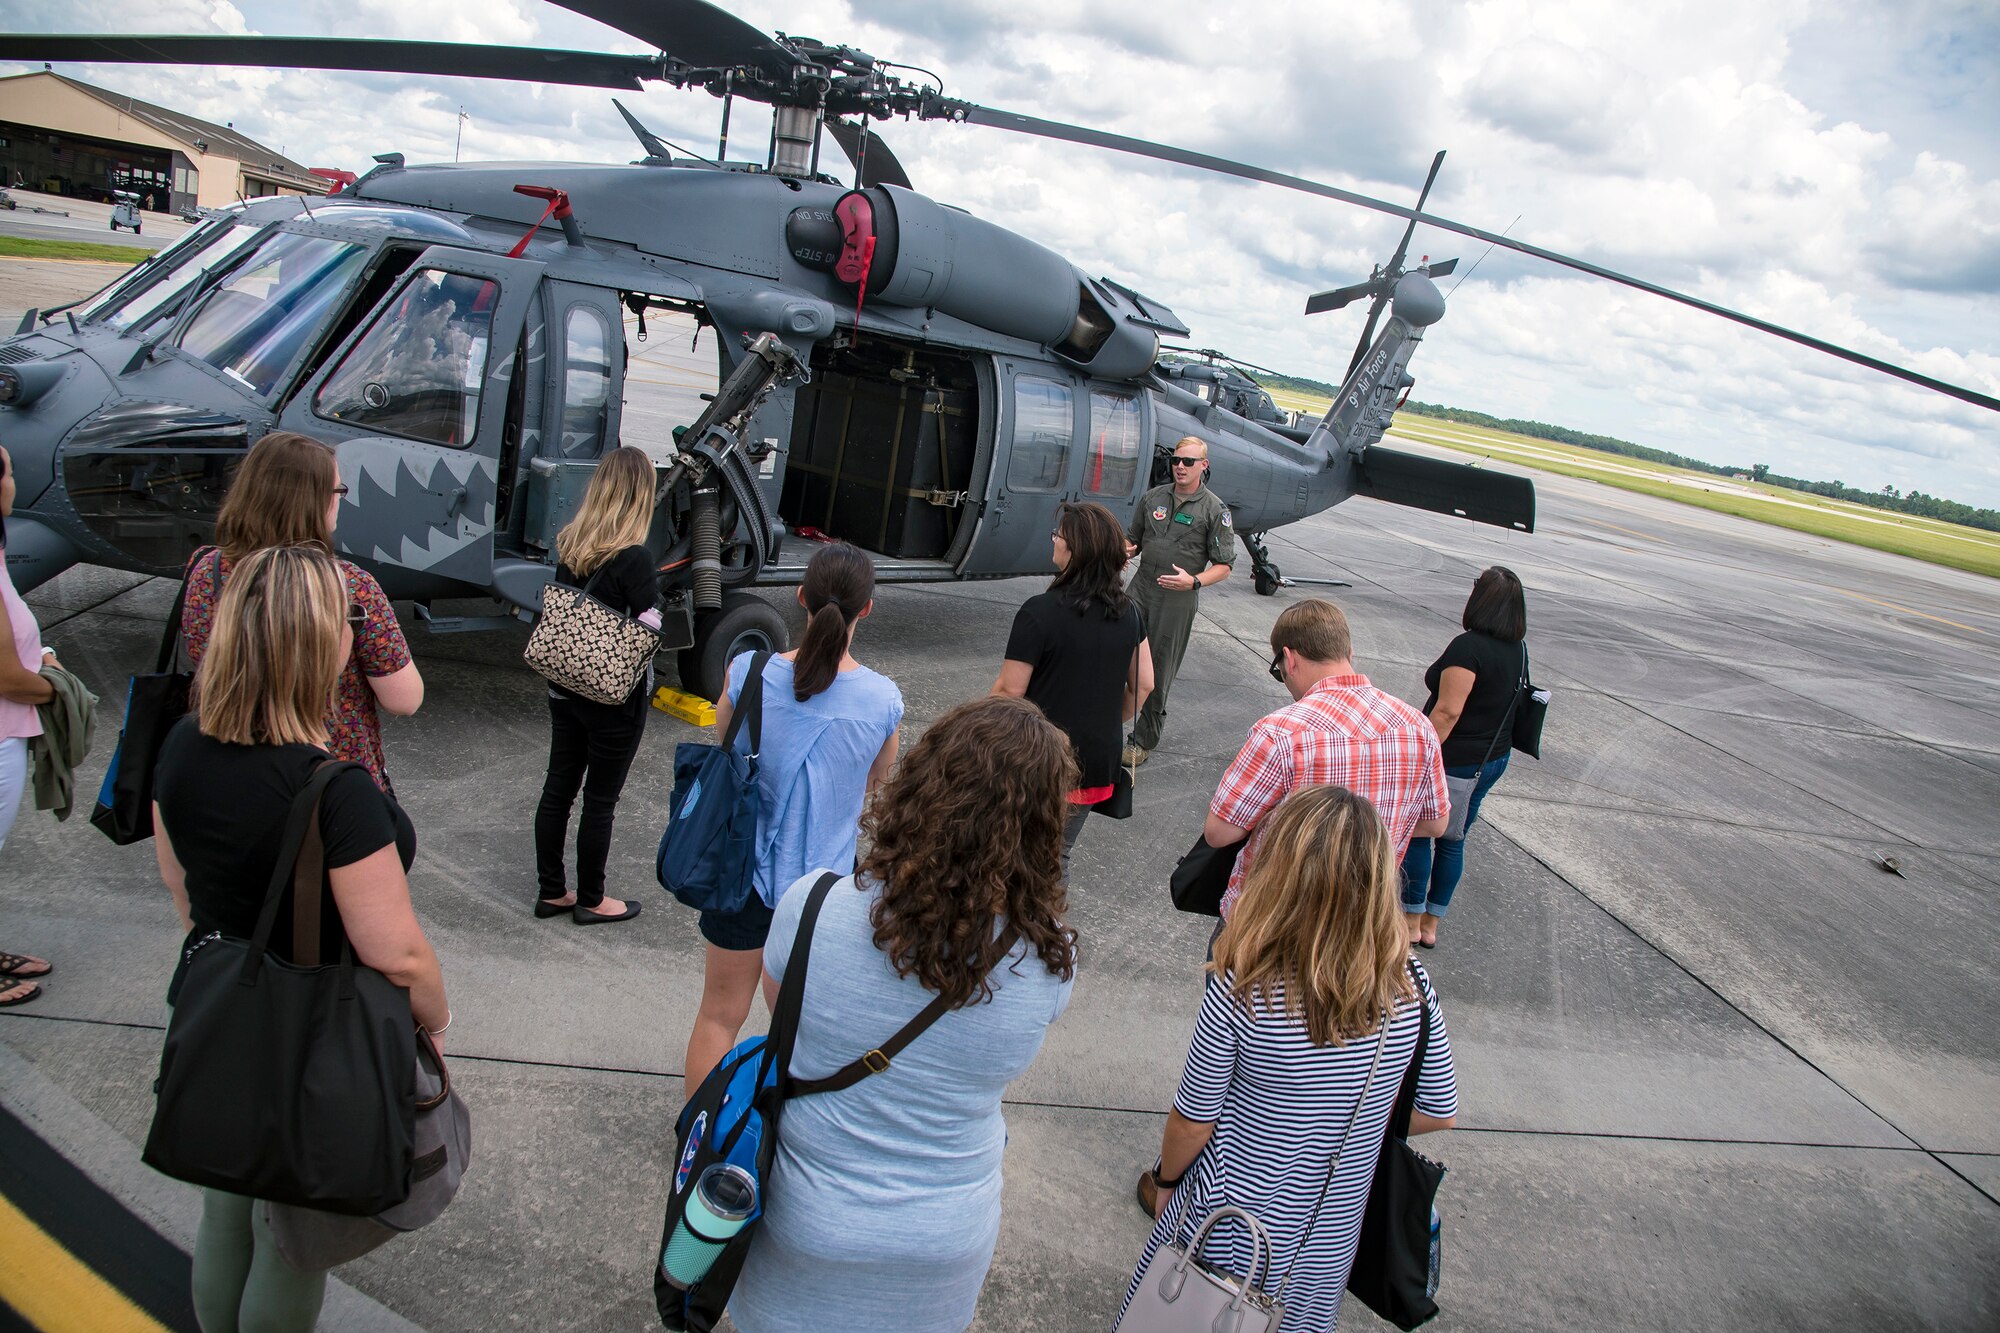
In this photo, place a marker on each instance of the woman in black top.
(591, 745)
(227, 776)
(1079, 653)
(1473, 687)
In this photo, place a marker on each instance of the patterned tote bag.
(587, 648)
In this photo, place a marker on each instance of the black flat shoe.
(547, 907)
(586, 917)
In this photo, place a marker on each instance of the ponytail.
(838, 586)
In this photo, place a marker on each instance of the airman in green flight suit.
(1184, 542)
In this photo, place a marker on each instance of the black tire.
(114, 224)
(1265, 584)
(744, 623)
(138, 228)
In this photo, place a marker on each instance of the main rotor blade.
(692, 31)
(1052, 129)
(589, 69)
(877, 165)
(1403, 246)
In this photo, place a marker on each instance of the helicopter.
(882, 367)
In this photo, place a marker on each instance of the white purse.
(1178, 1293)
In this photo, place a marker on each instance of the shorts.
(743, 929)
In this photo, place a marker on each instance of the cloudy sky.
(1830, 165)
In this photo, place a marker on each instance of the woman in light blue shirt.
(830, 730)
(883, 1204)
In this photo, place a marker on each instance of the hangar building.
(62, 136)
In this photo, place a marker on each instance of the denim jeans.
(591, 747)
(1430, 874)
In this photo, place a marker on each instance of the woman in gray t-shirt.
(884, 1202)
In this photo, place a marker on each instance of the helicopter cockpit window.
(1112, 464)
(138, 310)
(418, 369)
(1044, 421)
(586, 382)
(253, 324)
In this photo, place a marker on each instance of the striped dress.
(1279, 1105)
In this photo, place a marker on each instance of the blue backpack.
(733, 1118)
(708, 853)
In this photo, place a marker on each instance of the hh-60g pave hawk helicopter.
(888, 369)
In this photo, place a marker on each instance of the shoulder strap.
(792, 990)
(1406, 1096)
(304, 814)
(1508, 716)
(309, 880)
(170, 633)
(750, 706)
(879, 1059)
(1340, 1149)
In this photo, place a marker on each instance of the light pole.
(459, 139)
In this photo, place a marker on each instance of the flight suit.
(1193, 533)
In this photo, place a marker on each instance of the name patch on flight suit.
(1184, 518)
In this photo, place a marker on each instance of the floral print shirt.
(354, 730)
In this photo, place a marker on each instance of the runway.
(1717, 1069)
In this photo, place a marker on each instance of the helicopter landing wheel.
(744, 623)
(1265, 584)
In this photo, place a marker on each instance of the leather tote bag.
(313, 1241)
(1202, 877)
(153, 703)
(1118, 805)
(1395, 1271)
(708, 852)
(587, 648)
(288, 1081)
(1460, 790)
(1527, 735)
(1178, 1293)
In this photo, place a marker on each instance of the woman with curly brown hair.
(884, 1202)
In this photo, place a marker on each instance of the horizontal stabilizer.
(1422, 482)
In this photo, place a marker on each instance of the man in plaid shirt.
(1342, 731)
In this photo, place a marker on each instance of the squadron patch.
(1160, 514)
(1225, 518)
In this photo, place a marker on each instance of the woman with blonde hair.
(884, 1202)
(602, 551)
(277, 645)
(1306, 971)
(287, 492)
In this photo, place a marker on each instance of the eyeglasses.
(340, 490)
(1278, 667)
(1183, 460)
(357, 617)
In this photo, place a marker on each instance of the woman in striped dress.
(1313, 956)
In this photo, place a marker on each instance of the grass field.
(1927, 539)
(26, 247)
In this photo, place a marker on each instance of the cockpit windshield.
(136, 309)
(254, 322)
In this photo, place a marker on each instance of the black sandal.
(8, 996)
(23, 966)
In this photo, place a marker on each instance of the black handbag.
(1118, 805)
(1394, 1272)
(288, 1081)
(1527, 734)
(1202, 878)
(153, 703)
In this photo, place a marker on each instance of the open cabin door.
(416, 404)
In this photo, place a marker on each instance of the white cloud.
(1808, 161)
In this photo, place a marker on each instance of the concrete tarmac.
(1717, 1069)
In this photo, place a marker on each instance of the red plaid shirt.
(1344, 733)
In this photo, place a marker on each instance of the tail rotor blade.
(1403, 246)
(1338, 298)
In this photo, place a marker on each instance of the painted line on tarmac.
(1907, 610)
(55, 1292)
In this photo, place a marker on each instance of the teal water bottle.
(723, 1198)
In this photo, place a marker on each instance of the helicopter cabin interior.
(883, 449)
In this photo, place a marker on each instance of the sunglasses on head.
(357, 616)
